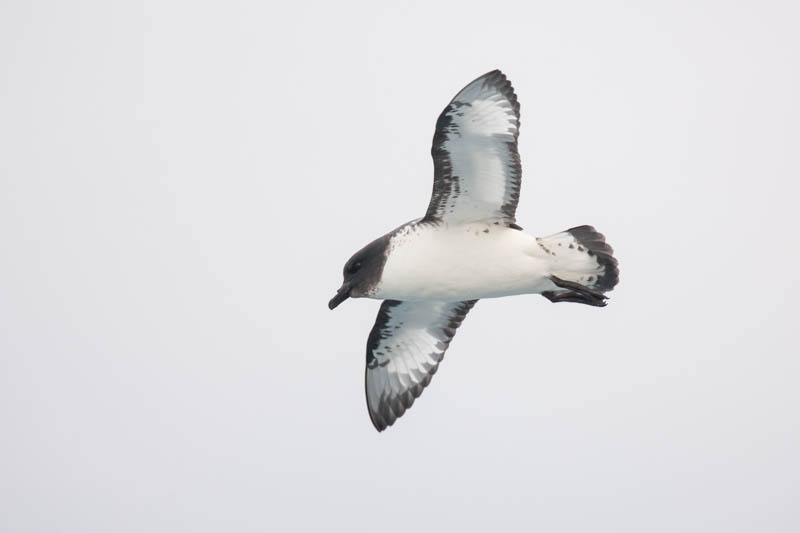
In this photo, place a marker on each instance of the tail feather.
(582, 255)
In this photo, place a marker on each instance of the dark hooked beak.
(341, 295)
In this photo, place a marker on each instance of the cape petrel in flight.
(468, 246)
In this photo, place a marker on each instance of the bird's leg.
(575, 293)
(574, 297)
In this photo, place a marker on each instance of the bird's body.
(468, 246)
(458, 262)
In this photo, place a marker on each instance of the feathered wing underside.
(477, 171)
(404, 350)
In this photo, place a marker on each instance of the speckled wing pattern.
(477, 171)
(404, 350)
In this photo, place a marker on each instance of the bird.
(431, 271)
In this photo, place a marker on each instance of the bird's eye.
(354, 267)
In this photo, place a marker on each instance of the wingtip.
(496, 75)
(378, 423)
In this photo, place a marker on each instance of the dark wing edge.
(447, 184)
(404, 349)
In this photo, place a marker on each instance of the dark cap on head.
(362, 272)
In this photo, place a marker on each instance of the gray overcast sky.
(181, 183)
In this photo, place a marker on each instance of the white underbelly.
(463, 262)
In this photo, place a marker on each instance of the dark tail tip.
(596, 245)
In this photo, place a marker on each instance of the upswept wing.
(477, 171)
(404, 350)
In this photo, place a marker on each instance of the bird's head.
(362, 272)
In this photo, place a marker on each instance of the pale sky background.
(181, 183)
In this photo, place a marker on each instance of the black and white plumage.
(404, 350)
(432, 270)
(477, 172)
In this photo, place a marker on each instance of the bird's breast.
(464, 262)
